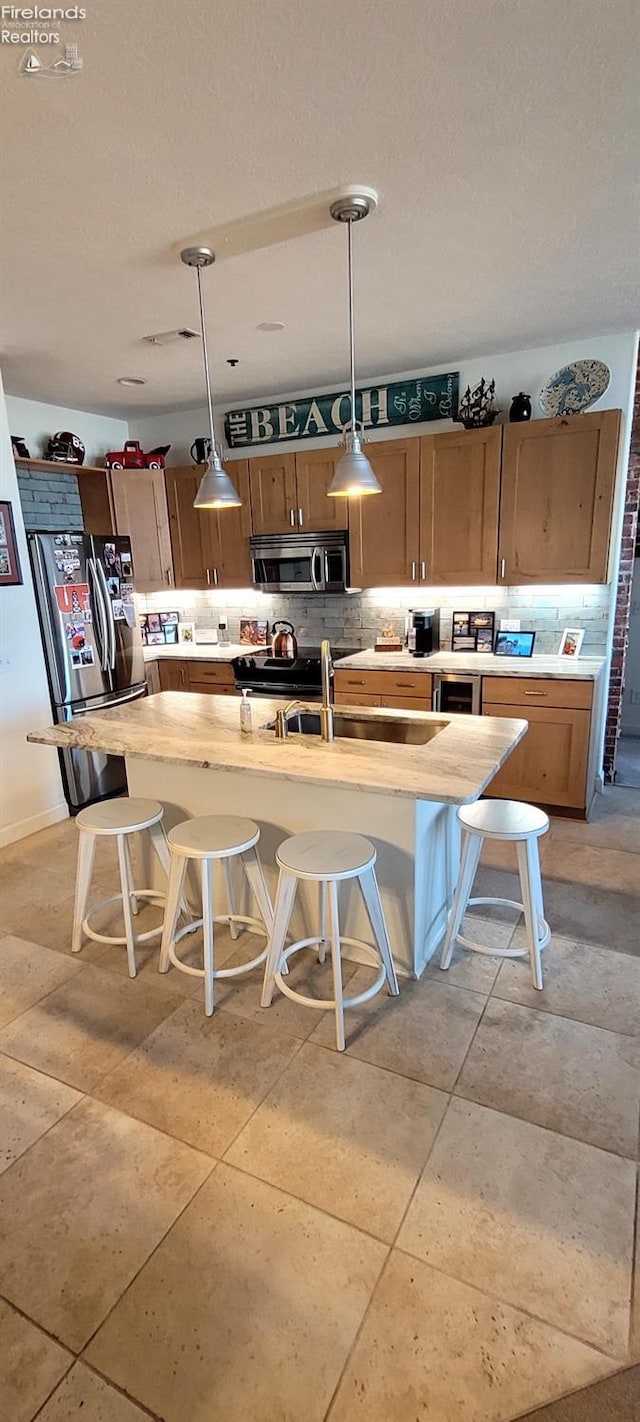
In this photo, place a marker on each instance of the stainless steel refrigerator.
(92, 645)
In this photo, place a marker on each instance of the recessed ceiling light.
(270, 326)
(131, 380)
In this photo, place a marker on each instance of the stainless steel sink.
(364, 728)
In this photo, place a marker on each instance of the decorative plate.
(575, 388)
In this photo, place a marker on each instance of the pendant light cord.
(352, 343)
(205, 353)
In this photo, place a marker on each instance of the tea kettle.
(283, 643)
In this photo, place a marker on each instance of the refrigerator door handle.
(111, 653)
(52, 642)
(109, 705)
(103, 635)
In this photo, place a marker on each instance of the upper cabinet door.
(315, 512)
(558, 480)
(140, 505)
(459, 506)
(230, 530)
(274, 505)
(190, 529)
(384, 527)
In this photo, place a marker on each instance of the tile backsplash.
(356, 619)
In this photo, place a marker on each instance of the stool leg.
(177, 870)
(163, 855)
(371, 896)
(470, 854)
(527, 857)
(285, 896)
(132, 898)
(207, 931)
(228, 878)
(336, 962)
(322, 946)
(125, 884)
(257, 883)
(86, 856)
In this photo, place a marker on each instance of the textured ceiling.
(501, 136)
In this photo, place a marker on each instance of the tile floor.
(221, 1219)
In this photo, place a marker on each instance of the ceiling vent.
(168, 338)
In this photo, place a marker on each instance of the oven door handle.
(318, 584)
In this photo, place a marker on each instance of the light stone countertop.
(199, 652)
(483, 663)
(194, 729)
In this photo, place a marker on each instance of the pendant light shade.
(353, 477)
(216, 490)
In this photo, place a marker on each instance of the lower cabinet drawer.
(209, 688)
(537, 691)
(213, 673)
(549, 765)
(406, 703)
(385, 683)
(356, 698)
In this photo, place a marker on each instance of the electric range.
(265, 675)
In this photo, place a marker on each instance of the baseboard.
(21, 828)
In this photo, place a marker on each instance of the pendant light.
(353, 477)
(216, 490)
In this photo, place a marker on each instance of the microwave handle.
(318, 583)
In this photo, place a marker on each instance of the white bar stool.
(118, 818)
(519, 824)
(327, 857)
(205, 839)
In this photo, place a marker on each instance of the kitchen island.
(187, 751)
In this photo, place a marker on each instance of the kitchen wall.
(514, 371)
(51, 500)
(631, 702)
(356, 620)
(31, 793)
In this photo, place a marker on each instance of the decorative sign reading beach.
(431, 397)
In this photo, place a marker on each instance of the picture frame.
(472, 631)
(157, 627)
(253, 631)
(10, 570)
(186, 632)
(514, 644)
(571, 643)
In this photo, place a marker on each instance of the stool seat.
(326, 854)
(213, 836)
(503, 819)
(121, 816)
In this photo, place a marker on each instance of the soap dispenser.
(245, 714)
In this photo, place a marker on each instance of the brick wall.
(623, 594)
(50, 500)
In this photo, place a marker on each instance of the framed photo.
(472, 631)
(10, 573)
(186, 631)
(571, 642)
(253, 631)
(514, 644)
(156, 627)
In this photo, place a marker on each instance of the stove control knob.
(252, 663)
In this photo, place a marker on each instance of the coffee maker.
(422, 631)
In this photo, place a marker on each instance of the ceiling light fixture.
(270, 326)
(353, 475)
(216, 490)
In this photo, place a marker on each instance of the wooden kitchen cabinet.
(140, 507)
(172, 673)
(384, 529)
(549, 766)
(272, 482)
(289, 493)
(558, 480)
(459, 507)
(409, 691)
(210, 546)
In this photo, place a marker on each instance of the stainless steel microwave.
(301, 562)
